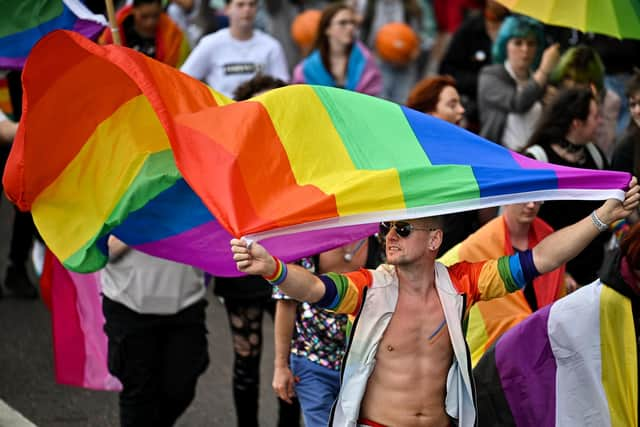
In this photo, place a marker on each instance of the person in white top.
(233, 55)
(154, 312)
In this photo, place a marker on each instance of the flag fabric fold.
(571, 363)
(24, 22)
(79, 341)
(175, 169)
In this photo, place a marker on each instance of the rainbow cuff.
(279, 275)
(619, 228)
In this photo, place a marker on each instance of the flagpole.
(115, 32)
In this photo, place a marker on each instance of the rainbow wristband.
(619, 228)
(279, 275)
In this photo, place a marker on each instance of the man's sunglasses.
(403, 228)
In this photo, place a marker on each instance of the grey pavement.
(27, 381)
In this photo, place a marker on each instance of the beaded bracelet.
(601, 226)
(279, 275)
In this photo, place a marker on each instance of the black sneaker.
(18, 284)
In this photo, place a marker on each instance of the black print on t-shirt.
(242, 68)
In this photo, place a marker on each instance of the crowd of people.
(553, 94)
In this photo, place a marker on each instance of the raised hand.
(252, 258)
(550, 58)
(613, 210)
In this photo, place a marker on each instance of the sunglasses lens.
(403, 228)
(385, 227)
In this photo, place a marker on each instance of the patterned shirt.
(320, 334)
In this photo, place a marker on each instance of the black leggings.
(245, 320)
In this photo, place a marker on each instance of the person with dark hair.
(626, 156)
(246, 299)
(233, 55)
(580, 66)
(563, 137)
(145, 27)
(338, 59)
(620, 58)
(407, 362)
(469, 51)
(257, 85)
(509, 92)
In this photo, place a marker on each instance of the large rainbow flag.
(24, 22)
(174, 169)
(573, 363)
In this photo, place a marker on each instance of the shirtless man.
(407, 363)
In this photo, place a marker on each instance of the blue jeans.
(317, 390)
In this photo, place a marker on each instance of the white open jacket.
(378, 305)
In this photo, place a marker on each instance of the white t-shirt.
(224, 62)
(151, 285)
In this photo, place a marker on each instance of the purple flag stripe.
(201, 246)
(528, 373)
(575, 178)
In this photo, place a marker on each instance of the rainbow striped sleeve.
(343, 292)
(494, 278)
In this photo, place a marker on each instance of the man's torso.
(408, 384)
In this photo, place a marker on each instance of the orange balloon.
(305, 27)
(397, 43)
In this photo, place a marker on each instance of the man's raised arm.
(566, 243)
(295, 281)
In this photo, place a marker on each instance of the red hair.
(425, 94)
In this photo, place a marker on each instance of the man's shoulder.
(266, 39)
(383, 276)
(219, 37)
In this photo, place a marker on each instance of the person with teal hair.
(510, 92)
(518, 27)
(581, 66)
